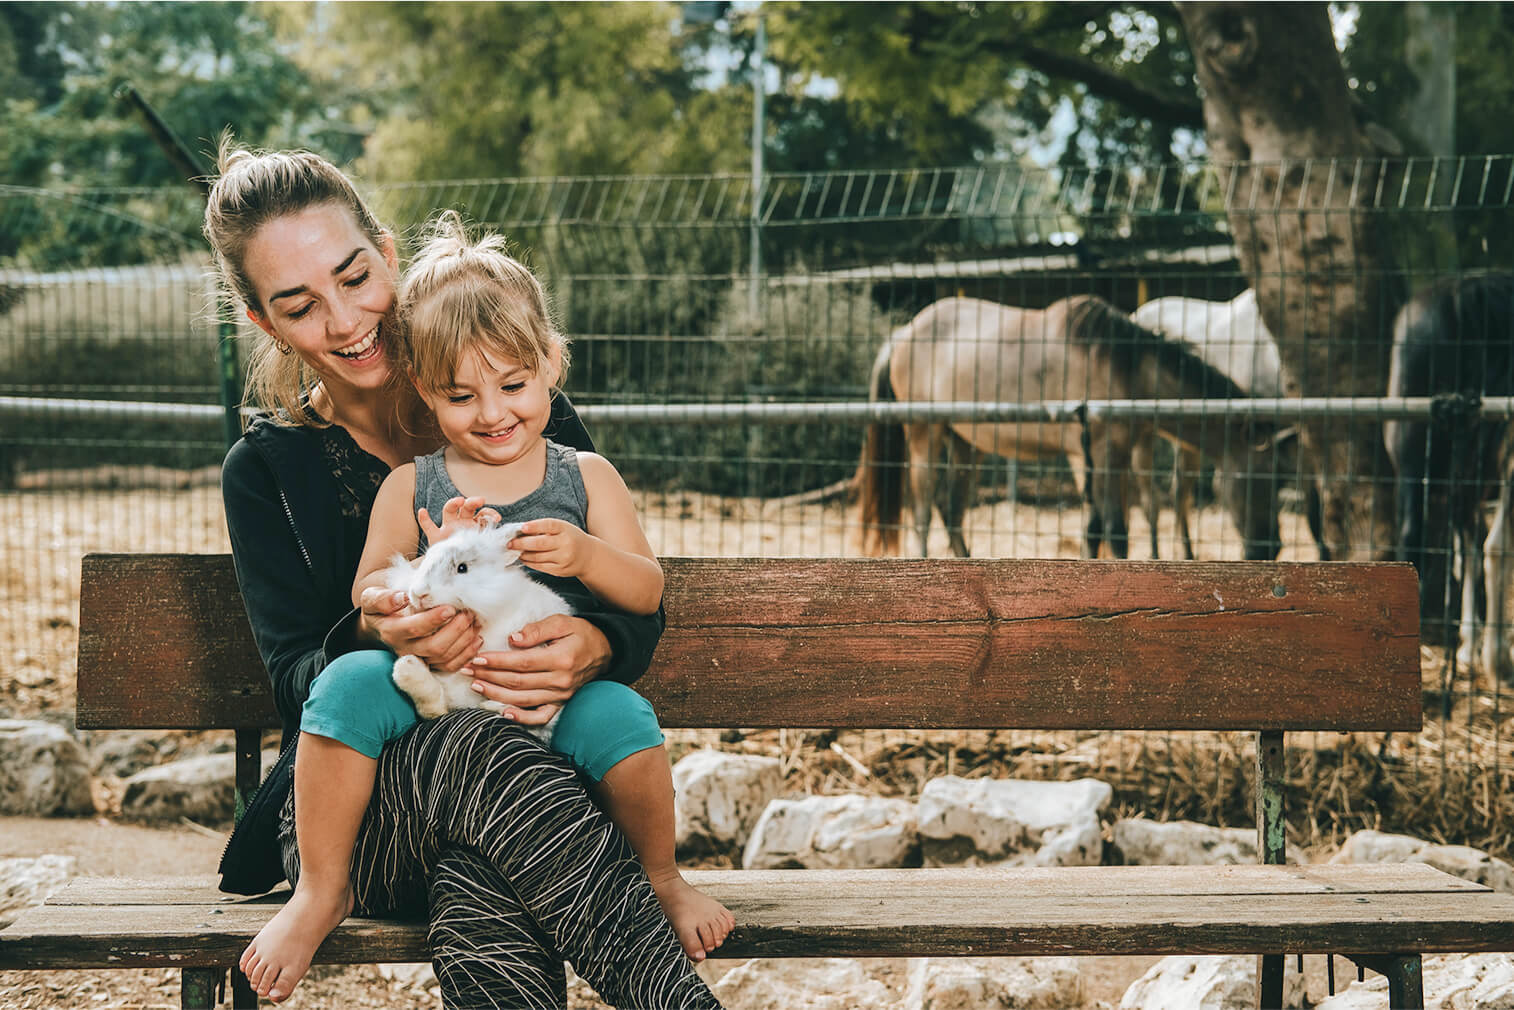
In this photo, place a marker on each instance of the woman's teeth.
(361, 348)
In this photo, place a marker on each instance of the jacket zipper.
(289, 514)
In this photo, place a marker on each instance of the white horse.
(1231, 337)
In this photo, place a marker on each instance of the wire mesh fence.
(739, 397)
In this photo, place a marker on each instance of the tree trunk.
(1297, 169)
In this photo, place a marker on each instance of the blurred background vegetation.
(410, 95)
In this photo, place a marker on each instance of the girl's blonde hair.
(252, 188)
(461, 295)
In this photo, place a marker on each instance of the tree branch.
(1173, 109)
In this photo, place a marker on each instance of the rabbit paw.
(412, 676)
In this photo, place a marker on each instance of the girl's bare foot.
(700, 922)
(279, 956)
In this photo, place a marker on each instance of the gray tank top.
(560, 495)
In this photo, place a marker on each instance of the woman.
(471, 822)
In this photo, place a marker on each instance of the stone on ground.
(29, 880)
(993, 983)
(720, 796)
(834, 832)
(44, 772)
(1206, 983)
(1452, 982)
(823, 984)
(1012, 822)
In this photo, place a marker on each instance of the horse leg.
(1107, 518)
(1182, 489)
(1496, 563)
(1143, 464)
(924, 443)
(961, 481)
(1470, 536)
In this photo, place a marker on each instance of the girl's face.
(496, 409)
(326, 291)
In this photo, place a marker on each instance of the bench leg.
(242, 996)
(1269, 981)
(198, 989)
(1405, 975)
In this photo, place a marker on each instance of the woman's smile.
(364, 349)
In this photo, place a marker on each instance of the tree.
(1276, 116)
(531, 89)
(1123, 68)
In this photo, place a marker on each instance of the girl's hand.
(444, 637)
(459, 513)
(554, 546)
(551, 659)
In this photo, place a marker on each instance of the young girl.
(478, 344)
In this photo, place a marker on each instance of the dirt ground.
(44, 532)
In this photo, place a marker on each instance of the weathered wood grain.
(908, 884)
(891, 913)
(882, 643)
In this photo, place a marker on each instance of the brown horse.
(1079, 348)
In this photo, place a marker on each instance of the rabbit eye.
(462, 568)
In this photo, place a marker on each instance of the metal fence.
(735, 399)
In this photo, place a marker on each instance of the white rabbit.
(472, 570)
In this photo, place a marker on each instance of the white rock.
(1206, 983)
(43, 771)
(1012, 821)
(1139, 842)
(833, 832)
(200, 788)
(1458, 860)
(1451, 982)
(821, 984)
(418, 978)
(720, 796)
(993, 983)
(28, 880)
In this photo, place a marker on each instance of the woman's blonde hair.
(460, 295)
(252, 188)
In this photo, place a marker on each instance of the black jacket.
(296, 582)
(296, 577)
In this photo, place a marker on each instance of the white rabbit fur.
(494, 586)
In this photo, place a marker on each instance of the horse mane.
(1105, 330)
(1481, 304)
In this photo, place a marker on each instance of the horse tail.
(880, 474)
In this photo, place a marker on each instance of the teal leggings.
(354, 701)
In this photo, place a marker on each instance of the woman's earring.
(283, 347)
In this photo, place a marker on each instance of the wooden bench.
(1258, 647)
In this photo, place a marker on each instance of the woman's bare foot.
(700, 922)
(279, 956)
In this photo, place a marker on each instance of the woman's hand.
(554, 546)
(551, 659)
(445, 637)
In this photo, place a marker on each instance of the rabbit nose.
(420, 601)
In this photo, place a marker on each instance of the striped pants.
(493, 837)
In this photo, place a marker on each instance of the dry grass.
(1452, 782)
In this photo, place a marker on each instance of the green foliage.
(955, 73)
(482, 90)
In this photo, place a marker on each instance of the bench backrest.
(870, 643)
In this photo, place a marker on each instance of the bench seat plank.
(1369, 878)
(869, 913)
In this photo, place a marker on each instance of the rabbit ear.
(501, 536)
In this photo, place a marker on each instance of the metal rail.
(1279, 409)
